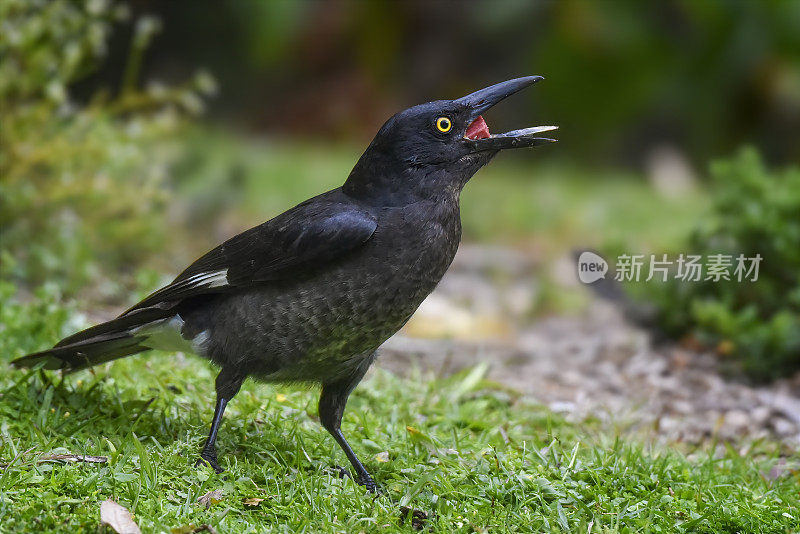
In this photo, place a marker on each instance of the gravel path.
(594, 365)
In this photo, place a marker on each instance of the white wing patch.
(210, 279)
(166, 335)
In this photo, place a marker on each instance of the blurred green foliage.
(82, 185)
(755, 211)
(705, 76)
(622, 77)
(30, 326)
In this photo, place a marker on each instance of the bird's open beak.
(477, 134)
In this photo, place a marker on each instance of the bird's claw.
(365, 481)
(369, 484)
(340, 471)
(209, 459)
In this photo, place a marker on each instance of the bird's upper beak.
(477, 134)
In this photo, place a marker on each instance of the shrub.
(758, 322)
(82, 185)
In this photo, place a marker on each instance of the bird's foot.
(340, 471)
(207, 458)
(368, 483)
(365, 481)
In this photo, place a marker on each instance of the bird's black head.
(432, 150)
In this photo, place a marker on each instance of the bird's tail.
(99, 344)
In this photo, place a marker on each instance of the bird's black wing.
(297, 242)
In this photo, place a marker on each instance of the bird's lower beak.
(477, 136)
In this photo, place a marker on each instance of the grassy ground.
(470, 454)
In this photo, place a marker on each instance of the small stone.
(760, 414)
(737, 419)
(562, 406)
(783, 427)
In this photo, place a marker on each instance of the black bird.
(311, 294)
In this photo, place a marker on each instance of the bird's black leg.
(227, 385)
(331, 408)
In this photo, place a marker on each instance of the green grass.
(471, 454)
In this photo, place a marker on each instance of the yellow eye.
(443, 124)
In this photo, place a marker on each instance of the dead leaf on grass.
(212, 497)
(118, 518)
(253, 501)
